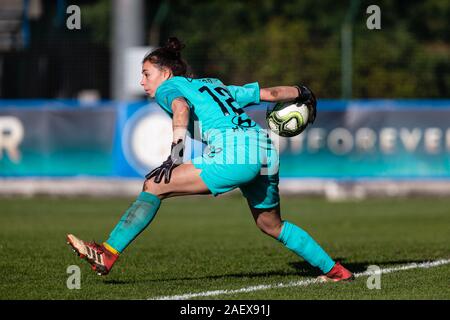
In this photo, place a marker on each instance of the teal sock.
(134, 221)
(299, 241)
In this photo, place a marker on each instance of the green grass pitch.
(199, 244)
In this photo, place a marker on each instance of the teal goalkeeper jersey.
(213, 105)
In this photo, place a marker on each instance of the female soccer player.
(238, 154)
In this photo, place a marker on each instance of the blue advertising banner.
(142, 139)
(368, 139)
(372, 139)
(56, 139)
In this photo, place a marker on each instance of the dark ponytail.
(174, 46)
(169, 57)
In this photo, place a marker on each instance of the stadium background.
(71, 106)
(74, 122)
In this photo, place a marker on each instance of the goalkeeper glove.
(306, 96)
(173, 161)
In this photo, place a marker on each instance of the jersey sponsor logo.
(243, 123)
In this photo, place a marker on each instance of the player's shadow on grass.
(300, 265)
(299, 268)
(305, 269)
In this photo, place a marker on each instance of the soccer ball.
(288, 119)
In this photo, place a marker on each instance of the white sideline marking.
(303, 283)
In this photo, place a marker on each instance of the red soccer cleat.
(100, 258)
(337, 273)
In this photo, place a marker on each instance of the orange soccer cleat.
(99, 257)
(337, 273)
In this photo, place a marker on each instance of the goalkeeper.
(239, 154)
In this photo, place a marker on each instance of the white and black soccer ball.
(288, 119)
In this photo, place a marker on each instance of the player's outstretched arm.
(285, 93)
(300, 94)
(278, 94)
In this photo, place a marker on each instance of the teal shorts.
(252, 167)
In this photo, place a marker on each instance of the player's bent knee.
(270, 228)
(151, 187)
